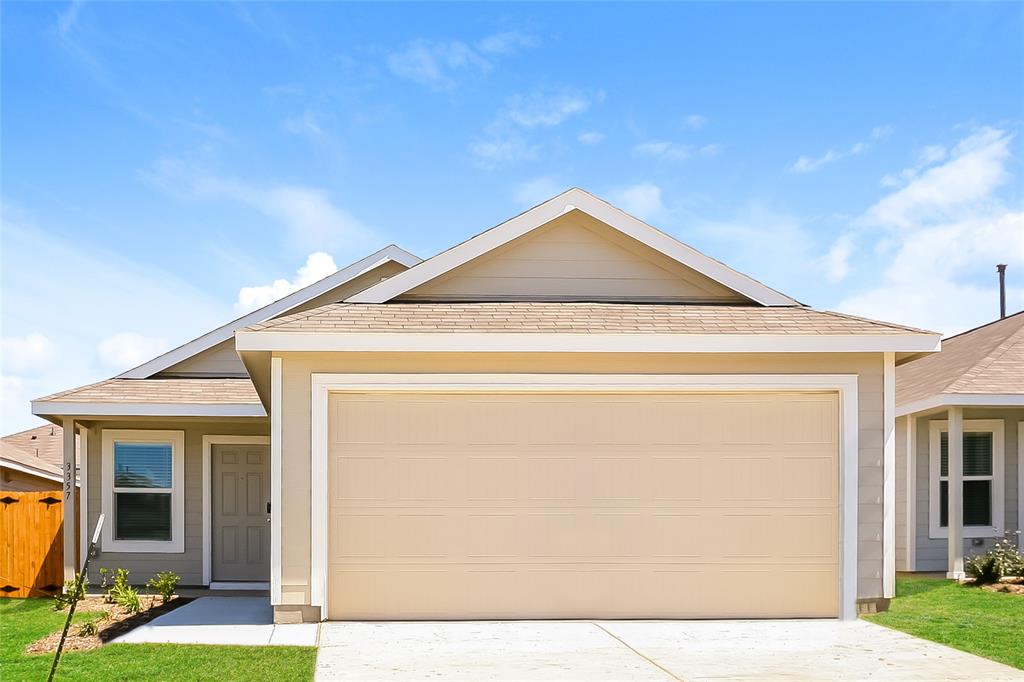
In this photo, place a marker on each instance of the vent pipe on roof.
(1002, 290)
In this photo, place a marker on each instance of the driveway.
(641, 650)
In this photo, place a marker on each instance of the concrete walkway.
(641, 650)
(247, 621)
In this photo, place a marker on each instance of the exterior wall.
(574, 257)
(297, 369)
(189, 564)
(20, 481)
(902, 559)
(931, 552)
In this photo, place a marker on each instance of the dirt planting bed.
(114, 622)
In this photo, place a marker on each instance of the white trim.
(962, 399)
(845, 384)
(208, 442)
(546, 212)
(176, 545)
(889, 475)
(31, 470)
(1020, 485)
(935, 428)
(911, 529)
(470, 342)
(275, 480)
(83, 493)
(283, 305)
(239, 586)
(44, 407)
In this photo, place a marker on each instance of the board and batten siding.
(297, 369)
(188, 564)
(931, 552)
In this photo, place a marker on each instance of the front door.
(241, 528)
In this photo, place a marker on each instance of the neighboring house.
(974, 387)
(32, 460)
(569, 415)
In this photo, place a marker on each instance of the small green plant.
(128, 599)
(120, 592)
(88, 629)
(73, 591)
(1002, 560)
(164, 583)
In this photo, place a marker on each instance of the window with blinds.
(143, 480)
(977, 478)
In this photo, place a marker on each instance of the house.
(970, 395)
(32, 459)
(569, 415)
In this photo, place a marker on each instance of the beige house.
(571, 414)
(960, 435)
(32, 460)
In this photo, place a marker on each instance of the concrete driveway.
(641, 650)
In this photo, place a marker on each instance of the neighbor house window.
(982, 492)
(143, 490)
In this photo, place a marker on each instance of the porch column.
(70, 499)
(956, 487)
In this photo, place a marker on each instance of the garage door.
(582, 505)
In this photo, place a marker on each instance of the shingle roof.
(11, 453)
(574, 318)
(986, 360)
(184, 391)
(45, 442)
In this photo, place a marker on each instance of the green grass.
(23, 621)
(988, 624)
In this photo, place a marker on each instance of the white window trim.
(935, 429)
(208, 442)
(844, 384)
(176, 545)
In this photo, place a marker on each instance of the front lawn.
(23, 621)
(985, 623)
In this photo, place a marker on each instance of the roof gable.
(574, 257)
(709, 270)
(186, 358)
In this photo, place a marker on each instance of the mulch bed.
(115, 623)
(1007, 585)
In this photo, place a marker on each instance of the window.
(143, 491)
(982, 496)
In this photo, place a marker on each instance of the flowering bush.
(1002, 560)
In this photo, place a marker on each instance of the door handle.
(268, 507)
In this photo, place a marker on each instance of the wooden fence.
(32, 543)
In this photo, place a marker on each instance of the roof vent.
(1001, 268)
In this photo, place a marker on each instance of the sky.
(166, 167)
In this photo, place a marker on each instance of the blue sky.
(168, 166)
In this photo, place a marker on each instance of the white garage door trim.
(845, 384)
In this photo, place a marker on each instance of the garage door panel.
(583, 505)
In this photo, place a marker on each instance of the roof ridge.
(977, 368)
(301, 315)
(982, 326)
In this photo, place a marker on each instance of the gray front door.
(241, 528)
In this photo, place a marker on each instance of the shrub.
(164, 583)
(128, 599)
(120, 592)
(88, 629)
(74, 590)
(1000, 561)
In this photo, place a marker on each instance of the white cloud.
(695, 121)
(67, 18)
(837, 260)
(810, 164)
(642, 199)
(945, 230)
(306, 124)
(545, 108)
(31, 353)
(437, 63)
(926, 156)
(318, 265)
(505, 138)
(976, 168)
(129, 349)
(533, 192)
(312, 220)
(664, 150)
(590, 137)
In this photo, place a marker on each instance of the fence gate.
(32, 543)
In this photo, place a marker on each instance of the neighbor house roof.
(45, 442)
(158, 397)
(15, 458)
(983, 366)
(578, 327)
